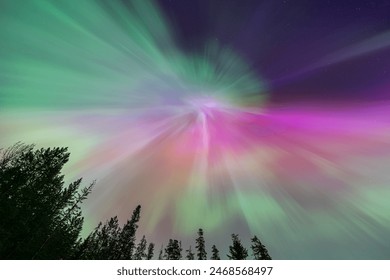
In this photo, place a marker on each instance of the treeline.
(40, 218)
(112, 242)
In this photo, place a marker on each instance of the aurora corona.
(191, 136)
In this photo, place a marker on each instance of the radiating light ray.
(190, 137)
(364, 47)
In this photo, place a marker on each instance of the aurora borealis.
(255, 117)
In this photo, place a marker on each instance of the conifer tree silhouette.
(190, 255)
(259, 250)
(127, 237)
(237, 251)
(215, 253)
(140, 252)
(103, 243)
(111, 242)
(160, 255)
(173, 250)
(40, 218)
(200, 246)
(149, 255)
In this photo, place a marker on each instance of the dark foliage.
(173, 250)
(127, 237)
(200, 246)
(259, 250)
(215, 253)
(150, 253)
(160, 255)
(39, 217)
(237, 251)
(190, 255)
(140, 252)
(111, 242)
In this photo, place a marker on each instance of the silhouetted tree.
(140, 252)
(150, 253)
(200, 246)
(173, 250)
(215, 253)
(259, 250)
(126, 242)
(89, 248)
(102, 243)
(190, 255)
(237, 250)
(111, 242)
(160, 255)
(105, 244)
(39, 217)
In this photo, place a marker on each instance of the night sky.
(251, 117)
(290, 43)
